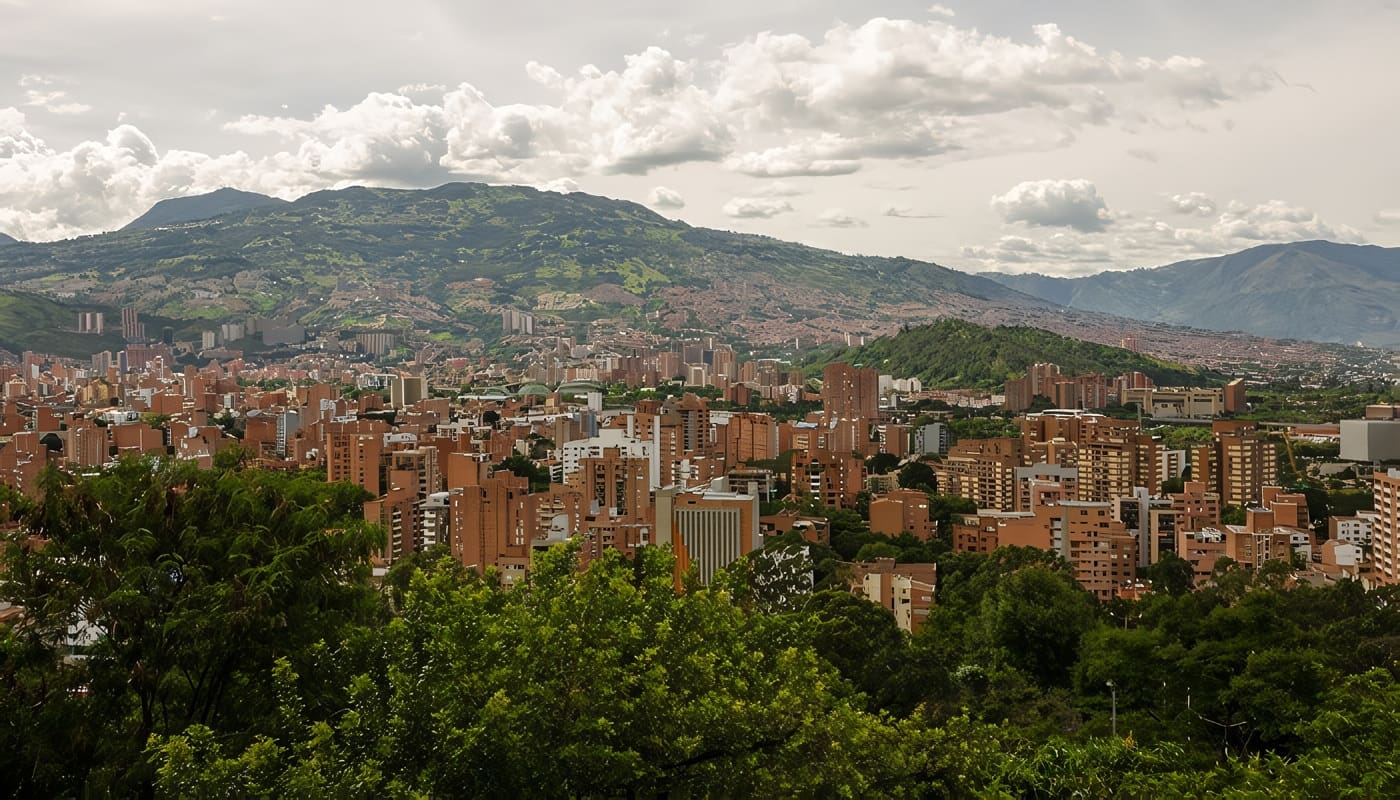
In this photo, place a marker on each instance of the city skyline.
(1066, 141)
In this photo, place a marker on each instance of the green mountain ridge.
(176, 210)
(956, 354)
(1316, 290)
(450, 258)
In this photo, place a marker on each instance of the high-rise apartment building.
(1385, 526)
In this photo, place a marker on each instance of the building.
(906, 590)
(982, 471)
(707, 530)
(931, 439)
(902, 510)
(1177, 403)
(1385, 529)
(1237, 464)
(1371, 440)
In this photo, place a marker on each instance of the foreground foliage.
(235, 646)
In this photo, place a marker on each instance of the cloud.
(560, 185)
(768, 105)
(1196, 203)
(1388, 216)
(838, 218)
(778, 189)
(1137, 241)
(941, 11)
(1058, 249)
(40, 92)
(663, 197)
(756, 207)
(1142, 154)
(906, 212)
(1055, 203)
(813, 158)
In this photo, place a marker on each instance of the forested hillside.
(952, 353)
(216, 634)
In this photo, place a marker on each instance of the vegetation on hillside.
(191, 634)
(449, 256)
(956, 354)
(34, 322)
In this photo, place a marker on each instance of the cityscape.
(442, 450)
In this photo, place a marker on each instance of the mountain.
(200, 207)
(953, 353)
(448, 260)
(5, 239)
(441, 265)
(34, 322)
(1318, 291)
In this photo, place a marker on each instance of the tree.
(881, 463)
(1172, 574)
(159, 596)
(918, 475)
(604, 682)
(1032, 619)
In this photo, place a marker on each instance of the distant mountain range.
(445, 262)
(5, 239)
(199, 207)
(1318, 291)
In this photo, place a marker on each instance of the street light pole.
(1114, 690)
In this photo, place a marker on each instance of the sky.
(1065, 138)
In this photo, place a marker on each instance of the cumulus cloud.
(1054, 203)
(1388, 216)
(838, 218)
(756, 207)
(769, 105)
(1136, 241)
(819, 157)
(665, 197)
(1196, 203)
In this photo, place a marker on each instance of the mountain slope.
(952, 353)
(177, 210)
(5, 239)
(1319, 291)
(448, 259)
(32, 322)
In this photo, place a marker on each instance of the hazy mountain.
(5, 239)
(1319, 291)
(955, 353)
(200, 207)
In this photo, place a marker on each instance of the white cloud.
(778, 189)
(41, 92)
(941, 11)
(756, 207)
(812, 158)
(838, 218)
(665, 197)
(769, 105)
(1146, 241)
(1388, 216)
(1195, 203)
(1057, 203)
(906, 212)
